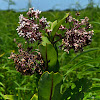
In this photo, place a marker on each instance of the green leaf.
(53, 24)
(94, 89)
(96, 79)
(83, 63)
(2, 89)
(84, 52)
(88, 72)
(12, 71)
(17, 84)
(49, 55)
(96, 31)
(57, 25)
(35, 97)
(49, 25)
(1, 76)
(49, 86)
(2, 95)
(2, 54)
(11, 97)
(24, 89)
(2, 84)
(45, 41)
(95, 22)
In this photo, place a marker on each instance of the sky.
(45, 5)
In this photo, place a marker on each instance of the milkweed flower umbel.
(30, 27)
(27, 63)
(78, 35)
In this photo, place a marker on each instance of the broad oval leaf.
(45, 41)
(49, 55)
(49, 86)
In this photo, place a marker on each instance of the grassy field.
(13, 83)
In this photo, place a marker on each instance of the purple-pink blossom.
(78, 35)
(29, 28)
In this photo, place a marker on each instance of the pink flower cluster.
(27, 63)
(77, 35)
(30, 27)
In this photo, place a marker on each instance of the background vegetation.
(86, 64)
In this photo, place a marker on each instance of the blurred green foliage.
(13, 83)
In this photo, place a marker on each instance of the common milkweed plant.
(43, 58)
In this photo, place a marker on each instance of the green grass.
(25, 86)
